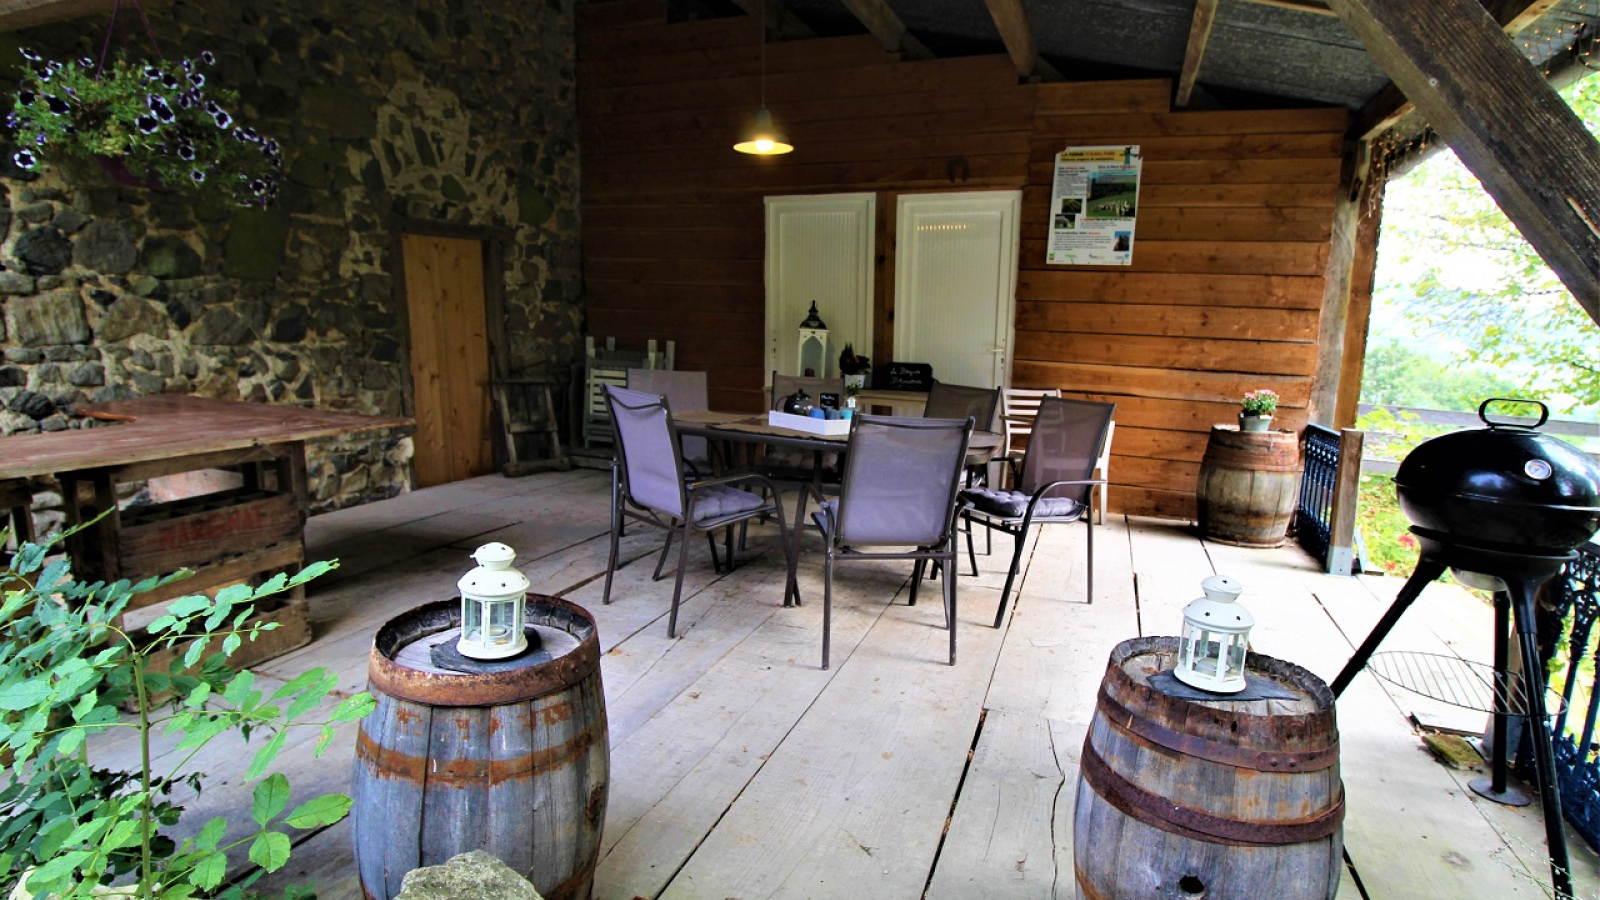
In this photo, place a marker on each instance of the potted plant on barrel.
(854, 368)
(1255, 411)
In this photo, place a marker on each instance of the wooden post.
(1346, 492)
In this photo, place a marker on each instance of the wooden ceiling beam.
(887, 28)
(1390, 105)
(1205, 13)
(1011, 20)
(780, 20)
(1305, 6)
(15, 14)
(1510, 127)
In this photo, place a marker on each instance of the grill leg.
(1495, 787)
(1533, 683)
(1428, 571)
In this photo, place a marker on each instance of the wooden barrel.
(512, 762)
(1249, 486)
(1215, 799)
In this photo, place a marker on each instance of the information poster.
(1093, 203)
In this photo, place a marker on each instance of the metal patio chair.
(958, 401)
(686, 391)
(1054, 484)
(653, 490)
(900, 482)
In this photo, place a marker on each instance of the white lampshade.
(1216, 638)
(492, 615)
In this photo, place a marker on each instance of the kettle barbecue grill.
(1504, 507)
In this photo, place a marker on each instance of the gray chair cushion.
(1014, 504)
(720, 501)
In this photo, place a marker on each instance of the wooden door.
(956, 284)
(819, 250)
(449, 358)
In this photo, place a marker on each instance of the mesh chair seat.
(1014, 505)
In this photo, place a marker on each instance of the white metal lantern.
(491, 605)
(812, 357)
(1216, 637)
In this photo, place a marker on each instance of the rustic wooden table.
(245, 532)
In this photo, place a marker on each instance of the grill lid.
(1506, 487)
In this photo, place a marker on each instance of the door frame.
(494, 241)
(1005, 287)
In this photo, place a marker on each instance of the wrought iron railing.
(1313, 517)
(1577, 596)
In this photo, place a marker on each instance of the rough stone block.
(471, 876)
(47, 319)
(130, 316)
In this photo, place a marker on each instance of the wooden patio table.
(229, 536)
(748, 429)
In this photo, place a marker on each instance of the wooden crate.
(240, 535)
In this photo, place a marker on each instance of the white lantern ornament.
(491, 605)
(1216, 637)
(812, 358)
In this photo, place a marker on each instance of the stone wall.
(457, 113)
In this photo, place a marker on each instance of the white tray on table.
(826, 427)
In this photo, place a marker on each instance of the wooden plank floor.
(741, 769)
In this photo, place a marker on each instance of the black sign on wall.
(900, 376)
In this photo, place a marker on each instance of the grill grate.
(1451, 679)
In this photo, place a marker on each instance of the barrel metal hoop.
(1160, 813)
(1126, 721)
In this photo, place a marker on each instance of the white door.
(956, 284)
(819, 249)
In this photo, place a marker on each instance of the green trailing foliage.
(66, 671)
(161, 121)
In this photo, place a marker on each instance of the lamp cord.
(762, 5)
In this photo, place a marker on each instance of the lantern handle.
(1483, 413)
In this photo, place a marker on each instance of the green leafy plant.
(1259, 403)
(159, 121)
(67, 666)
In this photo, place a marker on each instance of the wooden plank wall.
(1229, 259)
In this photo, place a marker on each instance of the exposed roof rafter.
(1390, 105)
(1205, 13)
(779, 20)
(1011, 20)
(884, 25)
(1305, 6)
(1503, 119)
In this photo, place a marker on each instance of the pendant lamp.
(760, 137)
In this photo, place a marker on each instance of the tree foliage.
(1397, 375)
(1466, 274)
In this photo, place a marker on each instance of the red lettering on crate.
(205, 528)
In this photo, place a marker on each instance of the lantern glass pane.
(1207, 654)
(500, 621)
(1236, 654)
(471, 619)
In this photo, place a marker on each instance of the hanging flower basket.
(148, 123)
